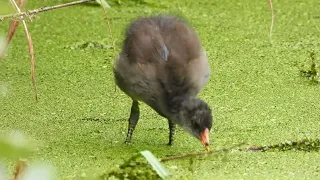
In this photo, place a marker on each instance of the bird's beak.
(204, 138)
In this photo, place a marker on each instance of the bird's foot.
(170, 143)
(128, 141)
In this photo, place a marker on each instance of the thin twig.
(272, 20)
(109, 28)
(306, 144)
(110, 32)
(170, 158)
(31, 13)
(31, 51)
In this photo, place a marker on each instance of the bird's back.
(161, 58)
(146, 38)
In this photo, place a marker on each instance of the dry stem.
(12, 29)
(31, 13)
(110, 32)
(272, 20)
(31, 51)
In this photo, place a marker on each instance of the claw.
(207, 148)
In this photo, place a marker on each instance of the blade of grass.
(103, 3)
(155, 163)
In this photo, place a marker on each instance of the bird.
(162, 63)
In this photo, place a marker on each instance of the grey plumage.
(163, 65)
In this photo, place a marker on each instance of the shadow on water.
(92, 4)
(110, 139)
(103, 120)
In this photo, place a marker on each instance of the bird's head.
(194, 116)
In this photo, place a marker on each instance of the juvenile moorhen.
(162, 64)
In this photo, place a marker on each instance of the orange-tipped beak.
(204, 138)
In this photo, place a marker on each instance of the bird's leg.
(133, 120)
(172, 128)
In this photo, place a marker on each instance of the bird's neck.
(175, 107)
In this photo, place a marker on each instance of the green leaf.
(15, 146)
(155, 163)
